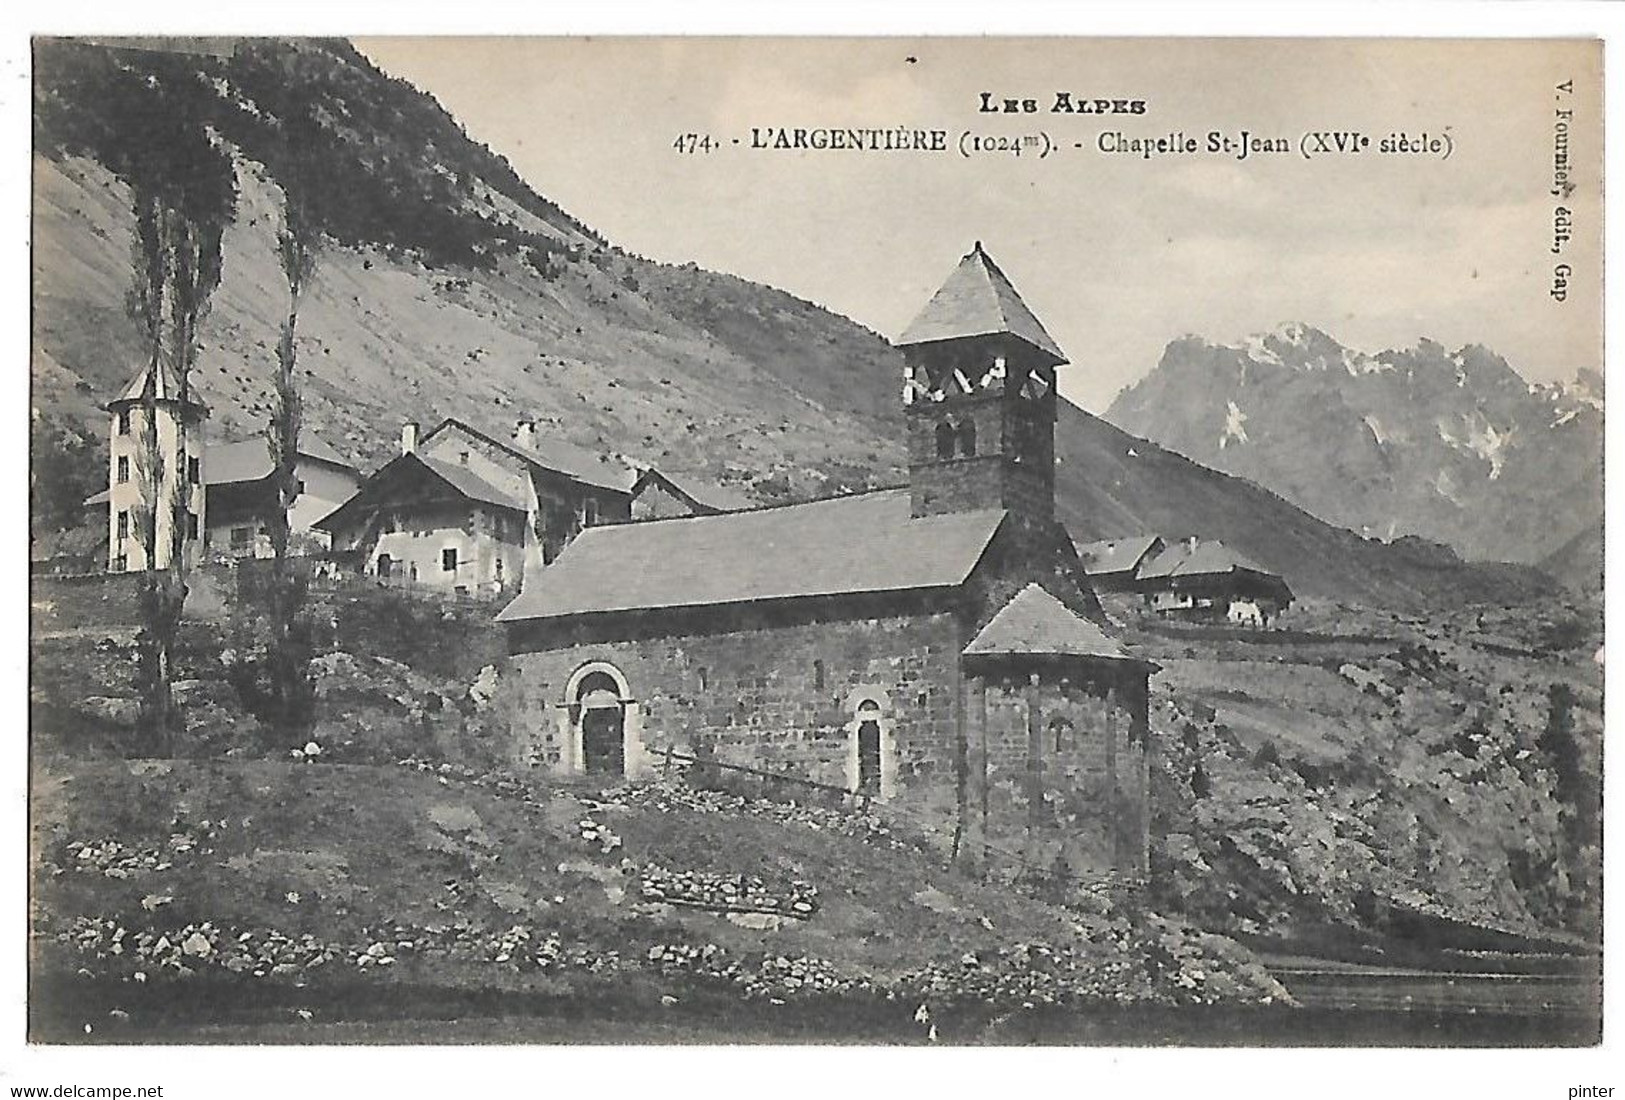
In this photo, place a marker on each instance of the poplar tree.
(298, 244)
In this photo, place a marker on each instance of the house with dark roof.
(229, 485)
(937, 644)
(242, 496)
(1114, 565)
(662, 494)
(466, 510)
(1206, 581)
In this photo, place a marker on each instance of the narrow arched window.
(967, 439)
(1061, 734)
(945, 439)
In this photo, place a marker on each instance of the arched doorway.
(603, 725)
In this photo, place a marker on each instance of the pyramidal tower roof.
(166, 386)
(978, 300)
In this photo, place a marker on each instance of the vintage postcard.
(866, 541)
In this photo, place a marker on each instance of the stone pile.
(1029, 975)
(727, 893)
(115, 859)
(1026, 975)
(522, 949)
(598, 835)
(863, 825)
(775, 978)
(184, 951)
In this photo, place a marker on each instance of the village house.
(935, 645)
(1206, 581)
(463, 510)
(657, 494)
(241, 492)
(1114, 565)
(229, 486)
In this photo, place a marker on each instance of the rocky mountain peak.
(1449, 445)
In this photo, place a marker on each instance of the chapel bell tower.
(979, 398)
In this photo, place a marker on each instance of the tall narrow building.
(149, 472)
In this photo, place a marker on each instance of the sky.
(1116, 254)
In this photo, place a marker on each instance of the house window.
(463, 457)
(194, 470)
(448, 559)
(124, 422)
(123, 525)
(240, 539)
(123, 469)
(818, 675)
(705, 678)
(121, 564)
(191, 525)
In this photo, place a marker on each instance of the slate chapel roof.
(1036, 624)
(863, 543)
(978, 300)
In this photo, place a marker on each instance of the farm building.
(658, 494)
(1114, 565)
(936, 645)
(1205, 580)
(463, 510)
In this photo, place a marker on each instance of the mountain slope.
(480, 299)
(1111, 484)
(1453, 446)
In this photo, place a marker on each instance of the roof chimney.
(524, 434)
(409, 437)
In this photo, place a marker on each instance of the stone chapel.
(934, 646)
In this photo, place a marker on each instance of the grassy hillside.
(1372, 764)
(307, 881)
